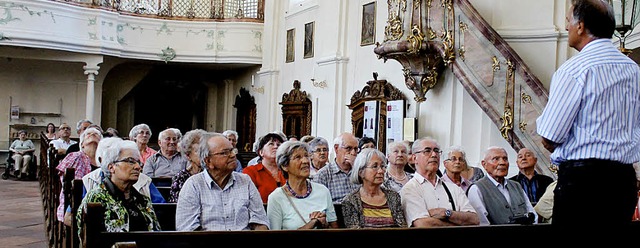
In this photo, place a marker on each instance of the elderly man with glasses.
(336, 174)
(219, 198)
(429, 201)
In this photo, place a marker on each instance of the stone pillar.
(91, 72)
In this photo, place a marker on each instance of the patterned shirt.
(148, 152)
(336, 180)
(81, 162)
(594, 106)
(176, 184)
(120, 214)
(203, 205)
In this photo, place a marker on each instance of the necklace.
(293, 193)
(398, 178)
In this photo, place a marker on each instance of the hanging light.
(627, 14)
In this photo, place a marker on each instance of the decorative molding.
(258, 89)
(319, 84)
(2, 37)
(168, 54)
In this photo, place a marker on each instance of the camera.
(526, 219)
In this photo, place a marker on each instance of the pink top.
(148, 152)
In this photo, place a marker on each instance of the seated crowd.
(294, 185)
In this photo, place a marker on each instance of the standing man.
(427, 200)
(591, 123)
(219, 198)
(496, 199)
(533, 183)
(335, 175)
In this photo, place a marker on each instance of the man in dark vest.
(496, 199)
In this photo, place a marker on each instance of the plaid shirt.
(336, 180)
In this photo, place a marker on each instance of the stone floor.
(21, 215)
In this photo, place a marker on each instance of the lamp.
(627, 15)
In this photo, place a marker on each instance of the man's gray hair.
(79, 123)
(203, 147)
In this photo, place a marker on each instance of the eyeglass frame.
(225, 152)
(349, 149)
(377, 167)
(321, 150)
(429, 150)
(129, 160)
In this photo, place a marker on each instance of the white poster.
(395, 116)
(370, 123)
(15, 112)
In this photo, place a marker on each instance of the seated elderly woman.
(455, 163)
(320, 149)
(83, 161)
(22, 149)
(395, 176)
(300, 203)
(140, 134)
(371, 205)
(125, 208)
(189, 149)
(144, 185)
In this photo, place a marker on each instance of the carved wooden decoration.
(378, 90)
(245, 120)
(296, 112)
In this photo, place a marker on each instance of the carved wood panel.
(296, 112)
(375, 90)
(245, 120)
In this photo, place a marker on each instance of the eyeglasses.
(225, 153)
(350, 149)
(144, 133)
(377, 167)
(128, 160)
(170, 139)
(65, 128)
(454, 159)
(428, 150)
(321, 150)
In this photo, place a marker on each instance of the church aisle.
(21, 215)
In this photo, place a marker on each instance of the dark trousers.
(594, 192)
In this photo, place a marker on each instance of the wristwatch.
(447, 214)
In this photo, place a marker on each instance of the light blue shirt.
(202, 203)
(283, 216)
(594, 106)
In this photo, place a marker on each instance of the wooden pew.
(95, 235)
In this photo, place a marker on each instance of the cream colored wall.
(535, 29)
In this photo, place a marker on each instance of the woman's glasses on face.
(128, 161)
(377, 167)
(321, 150)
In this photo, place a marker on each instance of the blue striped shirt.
(594, 106)
(202, 203)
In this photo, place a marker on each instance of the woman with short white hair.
(125, 208)
(140, 134)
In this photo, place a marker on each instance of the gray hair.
(189, 139)
(164, 133)
(395, 144)
(230, 132)
(109, 151)
(361, 163)
(284, 152)
(416, 147)
(79, 123)
(489, 149)
(597, 15)
(135, 130)
(87, 131)
(318, 141)
(203, 146)
(455, 148)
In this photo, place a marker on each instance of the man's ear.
(580, 28)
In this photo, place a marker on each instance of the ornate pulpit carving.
(296, 112)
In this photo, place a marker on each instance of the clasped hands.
(320, 219)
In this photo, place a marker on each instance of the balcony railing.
(201, 10)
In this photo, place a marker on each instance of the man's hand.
(549, 145)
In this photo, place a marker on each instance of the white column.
(91, 72)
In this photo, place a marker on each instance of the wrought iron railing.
(237, 10)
